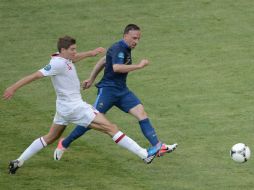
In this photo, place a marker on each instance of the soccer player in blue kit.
(113, 91)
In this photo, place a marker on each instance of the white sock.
(36, 146)
(126, 142)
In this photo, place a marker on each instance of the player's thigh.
(106, 97)
(128, 101)
(101, 123)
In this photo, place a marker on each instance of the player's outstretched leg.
(102, 124)
(36, 146)
(150, 134)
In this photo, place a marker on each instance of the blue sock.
(148, 131)
(76, 133)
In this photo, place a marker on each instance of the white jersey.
(69, 104)
(66, 83)
(64, 78)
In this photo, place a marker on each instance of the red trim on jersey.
(120, 138)
(55, 54)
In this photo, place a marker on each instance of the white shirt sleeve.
(53, 68)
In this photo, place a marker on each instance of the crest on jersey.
(47, 67)
(128, 61)
(120, 55)
(69, 67)
(101, 104)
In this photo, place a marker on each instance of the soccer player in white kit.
(70, 108)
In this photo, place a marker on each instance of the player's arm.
(82, 55)
(96, 70)
(9, 92)
(122, 68)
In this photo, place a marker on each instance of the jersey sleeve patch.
(120, 55)
(47, 67)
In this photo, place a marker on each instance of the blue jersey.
(118, 53)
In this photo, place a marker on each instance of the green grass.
(198, 91)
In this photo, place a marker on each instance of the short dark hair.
(65, 42)
(130, 27)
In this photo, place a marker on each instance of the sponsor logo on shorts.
(101, 104)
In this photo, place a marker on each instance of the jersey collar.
(57, 55)
(124, 44)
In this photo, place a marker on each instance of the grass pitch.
(198, 91)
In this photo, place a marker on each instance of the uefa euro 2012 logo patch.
(47, 67)
(120, 55)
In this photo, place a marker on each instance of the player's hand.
(98, 50)
(8, 93)
(143, 63)
(87, 84)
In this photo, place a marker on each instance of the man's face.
(70, 52)
(132, 38)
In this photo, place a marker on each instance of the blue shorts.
(108, 97)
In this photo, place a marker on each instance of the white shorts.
(80, 114)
